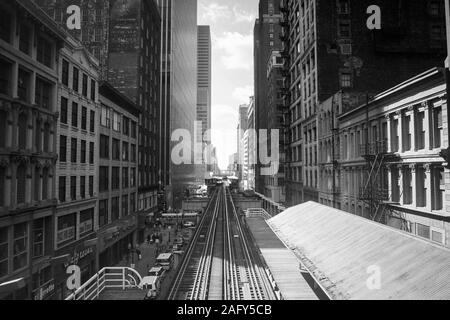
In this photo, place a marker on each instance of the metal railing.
(108, 278)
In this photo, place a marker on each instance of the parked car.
(189, 224)
(157, 272)
(153, 285)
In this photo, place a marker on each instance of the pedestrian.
(139, 253)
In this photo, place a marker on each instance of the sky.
(232, 23)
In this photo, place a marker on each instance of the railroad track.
(220, 263)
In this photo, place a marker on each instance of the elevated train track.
(219, 263)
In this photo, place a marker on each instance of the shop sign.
(44, 291)
(77, 256)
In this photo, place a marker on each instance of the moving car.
(165, 261)
(157, 272)
(153, 285)
(189, 224)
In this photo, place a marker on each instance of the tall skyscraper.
(266, 40)
(203, 91)
(178, 91)
(130, 62)
(328, 47)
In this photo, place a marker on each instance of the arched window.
(46, 137)
(45, 175)
(21, 183)
(23, 128)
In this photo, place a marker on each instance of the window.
(74, 114)
(104, 147)
(23, 86)
(76, 79)
(133, 153)
(73, 188)
(64, 107)
(133, 203)
(93, 90)
(83, 151)
(125, 178)
(421, 190)
(4, 247)
(85, 85)
(62, 189)
(125, 152)
(343, 7)
(91, 186)
(133, 178)
(439, 188)
(116, 149)
(407, 186)
(5, 74)
(66, 229)
(65, 73)
(20, 246)
(125, 211)
(437, 127)
(133, 129)
(38, 238)
(44, 51)
(421, 130)
(83, 187)
(407, 133)
(115, 178)
(105, 117)
(92, 122)
(104, 179)
(115, 209)
(83, 118)
(91, 153)
(126, 126)
(103, 213)
(63, 149)
(116, 121)
(344, 29)
(43, 94)
(423, 231)
(346, 79)
(86, 222)
(73, 150)
(21, 184)
(5, 26)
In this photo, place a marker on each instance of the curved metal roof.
(343, 252)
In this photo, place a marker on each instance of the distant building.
(204, 71)
(178, 91)
(118, 182)
(233, 163)
(251, 142)
(327, 47)
(241, 129)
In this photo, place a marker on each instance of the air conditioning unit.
(346, 49)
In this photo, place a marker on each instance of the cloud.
(236, 50)
(211, 12)
(241, 15)
(243, 94)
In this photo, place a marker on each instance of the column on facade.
(7, 186)
(413, 168)
(15, 80)
(33, 88)
(38, 182)
(29, 184)
(390, 187)
(428, 128)
(428, 186)
(9, 127)
(30, 127)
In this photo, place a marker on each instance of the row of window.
(120, 207)
(119, 123)
(76, 193)
(68, 230)
(128, 150)
(85, 83)
(75, 115)
(128, 178)
(63, 141)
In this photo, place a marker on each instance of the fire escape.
(285, 87)
(374, 192)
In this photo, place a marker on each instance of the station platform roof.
(282, 262)
(345, 252)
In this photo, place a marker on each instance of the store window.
(86, 222)
(66, 229)
(20, 246)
